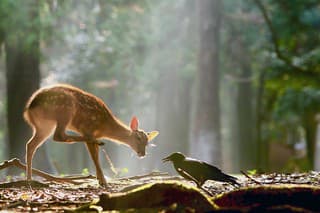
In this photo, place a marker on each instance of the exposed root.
(69, 179)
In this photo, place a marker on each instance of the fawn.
(63, 107)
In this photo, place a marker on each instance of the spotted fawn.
(62, 107)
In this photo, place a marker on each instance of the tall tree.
(244, 111)
(240, 34)
(205, 139)
(172, 54)
(295, 41)
(21, 29)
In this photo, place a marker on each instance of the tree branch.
(16, 162)
(250, 178)
(275, 39)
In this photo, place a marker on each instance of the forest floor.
(160, 192)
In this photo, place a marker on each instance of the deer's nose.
(141, 154)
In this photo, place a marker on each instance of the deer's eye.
(139, 136)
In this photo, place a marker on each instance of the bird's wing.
(209, 171)
(216, 174)
(187, 176)
(193, 165)
(194, 168)
(211, 168)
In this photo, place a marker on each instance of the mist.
(196, 76)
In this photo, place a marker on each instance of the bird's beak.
(166, 159)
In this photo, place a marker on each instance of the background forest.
(235, 83)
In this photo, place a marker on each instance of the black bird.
(198, 171)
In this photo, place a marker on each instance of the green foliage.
(297, 165)
(85, 171)
(295, 27)
(123, 172)
(292, 77)
(297, 102)
(103, 42)
(295, 22)
(21, 14)
(295, 87)
(252, 172)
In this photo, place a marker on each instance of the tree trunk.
(22, 38)
(243, 126)
(246, 143)
(172, 115)
(205, 138)
(263, 146)
(247, 146)
(310, 126)
(173, 94)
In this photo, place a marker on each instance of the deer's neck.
(118, 132)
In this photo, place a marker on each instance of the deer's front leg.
(94, 153)
(61, 136)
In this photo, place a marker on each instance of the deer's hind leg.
(41, 132)
(60, 134)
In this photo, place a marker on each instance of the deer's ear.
(134, 123)
(152, 135)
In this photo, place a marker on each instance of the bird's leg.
(209, 193)
(190, 177)
(199, 185)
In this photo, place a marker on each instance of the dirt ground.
(18, 196)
